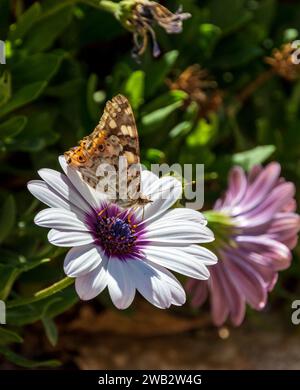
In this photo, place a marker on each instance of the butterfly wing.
(118, 121)
(115, 136)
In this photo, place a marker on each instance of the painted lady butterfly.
(115, 137)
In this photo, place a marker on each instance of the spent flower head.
(140, 17)
(283, 64)
(200, 87)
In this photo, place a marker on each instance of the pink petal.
(267, 248)
(236, 188)
(259, 189)
(254, 172)
(272, 204)
(199, 291)
(246, 279)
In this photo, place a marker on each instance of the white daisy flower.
(123, 250)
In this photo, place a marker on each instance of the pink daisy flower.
(256, 227)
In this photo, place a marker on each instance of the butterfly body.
(113, 139)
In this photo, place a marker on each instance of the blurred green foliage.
(65, 59)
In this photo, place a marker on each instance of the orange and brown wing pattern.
(118, 120)
(115, 136)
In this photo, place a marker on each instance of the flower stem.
(42, 294)
(249, 90)
(261, 79)
(106, 5)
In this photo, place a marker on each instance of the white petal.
(183, 214)
(177, 260)
(176, 289)
(93, 197)
(81, 260)
(201, 253)
(62, 185)
(60, 219)
(163, 193)
(156, 285)
(147, 181)
(45, 194)
(186, 233)
(149, 285)
(69, 238)
(92, 284)
(120, 283)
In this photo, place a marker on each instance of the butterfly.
(114, 139)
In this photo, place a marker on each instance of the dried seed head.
(200, 88)
(283, 63)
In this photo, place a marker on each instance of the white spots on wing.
(112, 124)
(124, 130)
(130, 131)
(127, 130)
(130, 157)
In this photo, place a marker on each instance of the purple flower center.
(117, 235)
(118, 232)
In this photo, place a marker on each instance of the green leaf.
(209, 34)
(156, 112)
(189, 118)
(49, 27)
(7, 217)
(20, 262)
(293, 105)
(23, 362)
(5, 87)
(263, 17)
(22, 97)
(155, 155)
(134, 88)
(204, 133)
(8, 275)
(230, 14)
(166, 99)
(4, 17)
(26, 314)
(157, 117)
(24, 24)
(12, 127)
(49, 324)
(38, 67)
(7, 336)
(38, 132)
(92, 106)
(50, 329)
(254, 156)
(238, 51)
(181, 129)
(157, 71)
(290, 35)
(66, 89)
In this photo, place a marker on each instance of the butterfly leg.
(131, 213)
(143, 213)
